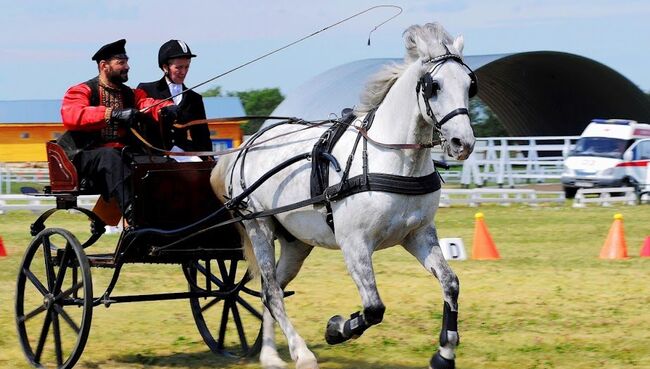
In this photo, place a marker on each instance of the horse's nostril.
(455, 142)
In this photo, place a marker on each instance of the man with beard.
(97, 115)
(174, 58)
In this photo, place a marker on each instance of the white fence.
(11, 174)
(478, 196)
(502, 160)
(509, 160)
(604, 196)
(40, 203)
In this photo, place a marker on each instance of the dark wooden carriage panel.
(173, 195)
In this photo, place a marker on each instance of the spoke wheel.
(231, 324)
(54, 300)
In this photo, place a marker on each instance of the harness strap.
(375, 182)
(453, 113)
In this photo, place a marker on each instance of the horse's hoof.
(333, 333)
(307, 364)
(269, 359)
(439, 362)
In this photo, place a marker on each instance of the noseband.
(429, 87)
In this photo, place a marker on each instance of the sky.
(47, 45)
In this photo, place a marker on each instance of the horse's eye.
(431, 89)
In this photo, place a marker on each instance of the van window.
(642, 151)
(600, 146)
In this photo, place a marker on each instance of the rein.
(289, 120)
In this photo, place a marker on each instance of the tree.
(215, 91)
(258, 102)
(484, 121)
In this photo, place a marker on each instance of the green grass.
(548, 303)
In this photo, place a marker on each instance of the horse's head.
(446, 83)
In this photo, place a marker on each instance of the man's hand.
(170, 113)
(124, 117)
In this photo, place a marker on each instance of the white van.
(609, 153)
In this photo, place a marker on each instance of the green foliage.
(484, 121)
(258, 102)
(215, 91)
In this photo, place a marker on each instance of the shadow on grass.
(207, 358)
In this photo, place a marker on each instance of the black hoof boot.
(333, 333)
(439, 362)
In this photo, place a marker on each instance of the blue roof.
(49, 111)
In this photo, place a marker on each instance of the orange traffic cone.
(645, 249)
(3, 252)
(483, 247)
(614, 247)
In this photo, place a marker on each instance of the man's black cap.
(112, 50)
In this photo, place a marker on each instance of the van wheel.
(570, 192)
(631, 182)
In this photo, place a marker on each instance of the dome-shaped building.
(536, 93)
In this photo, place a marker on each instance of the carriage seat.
(63, 174)
(65, 183)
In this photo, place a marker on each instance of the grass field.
(548, 303)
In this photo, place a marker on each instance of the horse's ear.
(412, 41)
(459, 42)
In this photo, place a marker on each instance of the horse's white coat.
(367, 221)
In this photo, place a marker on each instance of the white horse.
(429, 91)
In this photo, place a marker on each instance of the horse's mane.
(424, 42)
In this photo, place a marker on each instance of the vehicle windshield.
(600, 146)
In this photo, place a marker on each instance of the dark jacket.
(191, 108)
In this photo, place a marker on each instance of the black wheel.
(54, 300)
(570, 192)
(230, 323)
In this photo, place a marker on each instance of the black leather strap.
(451, 114)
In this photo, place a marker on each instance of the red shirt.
(78, 115)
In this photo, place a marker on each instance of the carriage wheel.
(54, 300)
(230, 325)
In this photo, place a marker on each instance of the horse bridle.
(430, 87)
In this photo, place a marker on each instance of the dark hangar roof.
(538, 93)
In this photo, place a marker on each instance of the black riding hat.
(173, 49)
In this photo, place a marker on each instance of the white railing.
(509, 160)
(40, 203)
(11, 174)
(604, 196)
(478, 196)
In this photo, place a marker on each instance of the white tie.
(176, 90)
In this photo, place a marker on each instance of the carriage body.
(173, 222)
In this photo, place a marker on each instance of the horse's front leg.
(358, 259)
(423, 244)
(261, 238)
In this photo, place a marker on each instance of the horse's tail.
(218, 179)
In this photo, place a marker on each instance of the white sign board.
(453, 248)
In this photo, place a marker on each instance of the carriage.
(55, 297)
(388, 174)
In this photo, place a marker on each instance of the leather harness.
(321, 192)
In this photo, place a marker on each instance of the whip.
(285, 47)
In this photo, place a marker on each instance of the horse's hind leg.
(424, 245)
(358, 259)
(261, 237)
(292, 255)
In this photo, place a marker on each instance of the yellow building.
(26, 125)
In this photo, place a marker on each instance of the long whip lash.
(143, 110)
